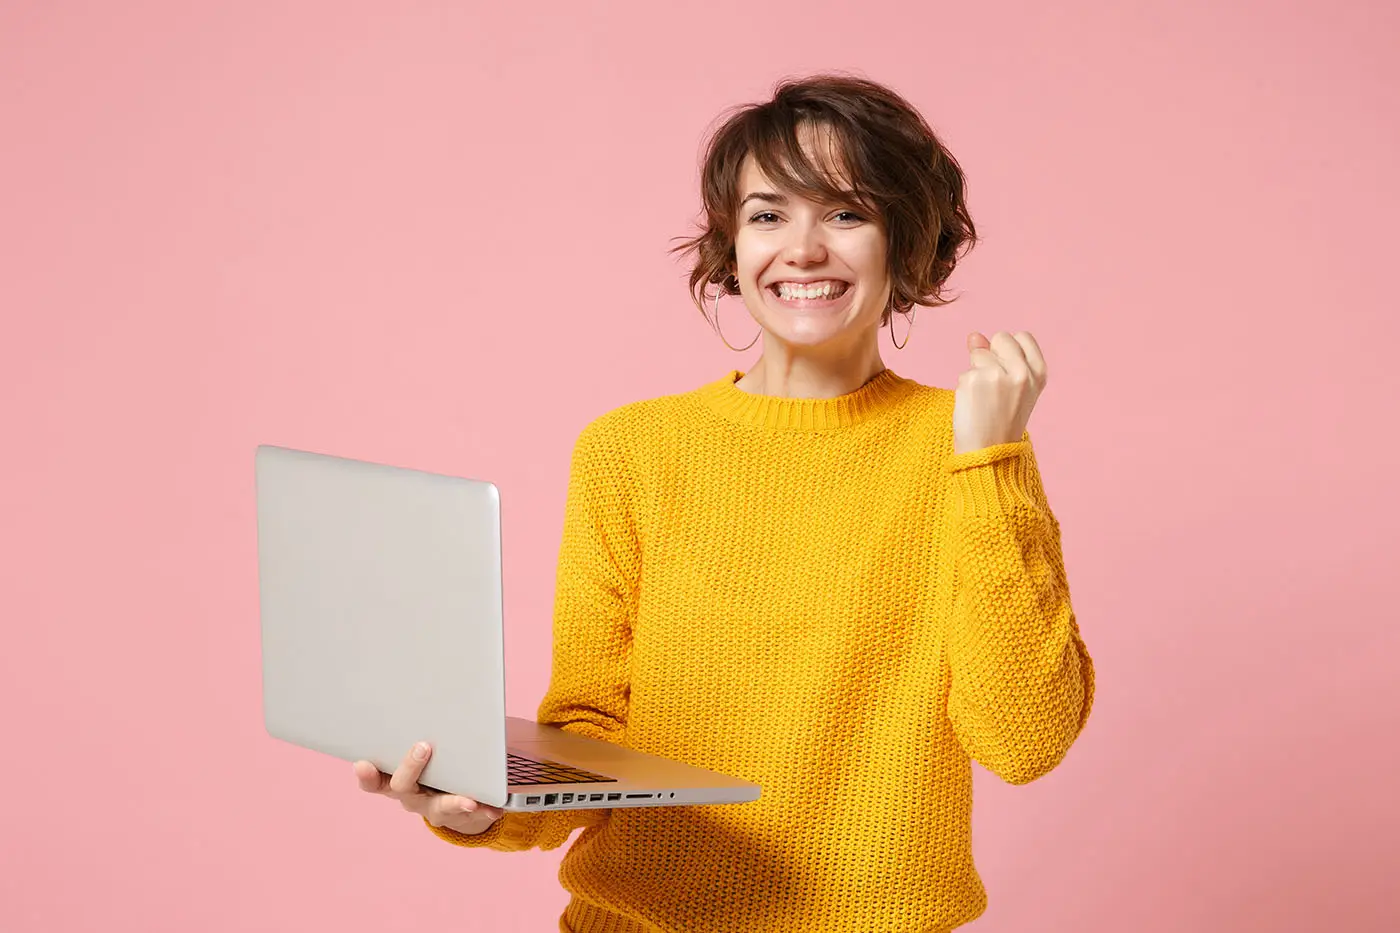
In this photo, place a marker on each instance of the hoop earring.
(718, 295)
(898, 345)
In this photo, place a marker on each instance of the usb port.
(595, 797)
(614, 796)
(551, 799)
(568, 798)
(534, 799)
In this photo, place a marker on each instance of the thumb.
(975, 341)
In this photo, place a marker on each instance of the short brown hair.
(900, 171)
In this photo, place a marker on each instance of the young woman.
(816, 575)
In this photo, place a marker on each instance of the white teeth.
(824, 290)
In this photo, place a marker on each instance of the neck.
(786, 371)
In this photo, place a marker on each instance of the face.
(839, 248)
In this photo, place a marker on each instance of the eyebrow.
(774, 198)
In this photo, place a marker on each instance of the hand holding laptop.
(462, 814)
(380, 595)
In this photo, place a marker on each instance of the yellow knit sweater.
(818, 596)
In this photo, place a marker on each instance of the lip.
(823, 278)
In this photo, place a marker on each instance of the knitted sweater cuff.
(994, 481)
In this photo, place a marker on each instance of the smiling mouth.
(804, 298)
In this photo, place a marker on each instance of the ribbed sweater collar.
(776, 413)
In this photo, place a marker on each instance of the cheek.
(874, 257)
(866, 255)
(754, 256)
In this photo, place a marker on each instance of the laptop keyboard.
(521, 770)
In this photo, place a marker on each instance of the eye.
(758, 218)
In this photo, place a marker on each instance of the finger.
(371, 778)
(490, 813)
(984, 359)
(406, 775)
(979, 352)
(1012, 356)
(447, 809)
(1034, 358)
(1007, 348)
(444, 807)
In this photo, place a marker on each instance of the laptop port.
(534, 799)
(595, 797)
(639, 796)
(568, 798)
(551, 799)
(614, 796)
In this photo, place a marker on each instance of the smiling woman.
(819, 576)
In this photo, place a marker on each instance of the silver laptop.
(380, 595)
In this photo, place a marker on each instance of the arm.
(1022, 679)
(594, 606)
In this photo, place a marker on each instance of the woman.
(817, 575)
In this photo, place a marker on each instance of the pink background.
(435, 234)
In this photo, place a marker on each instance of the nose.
(806, 244)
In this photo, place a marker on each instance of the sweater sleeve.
(1022, 679)
(594, 607)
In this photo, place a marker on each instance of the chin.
(809, 333)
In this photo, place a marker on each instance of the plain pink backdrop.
(435, 234)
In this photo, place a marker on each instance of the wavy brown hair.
(896, 166)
